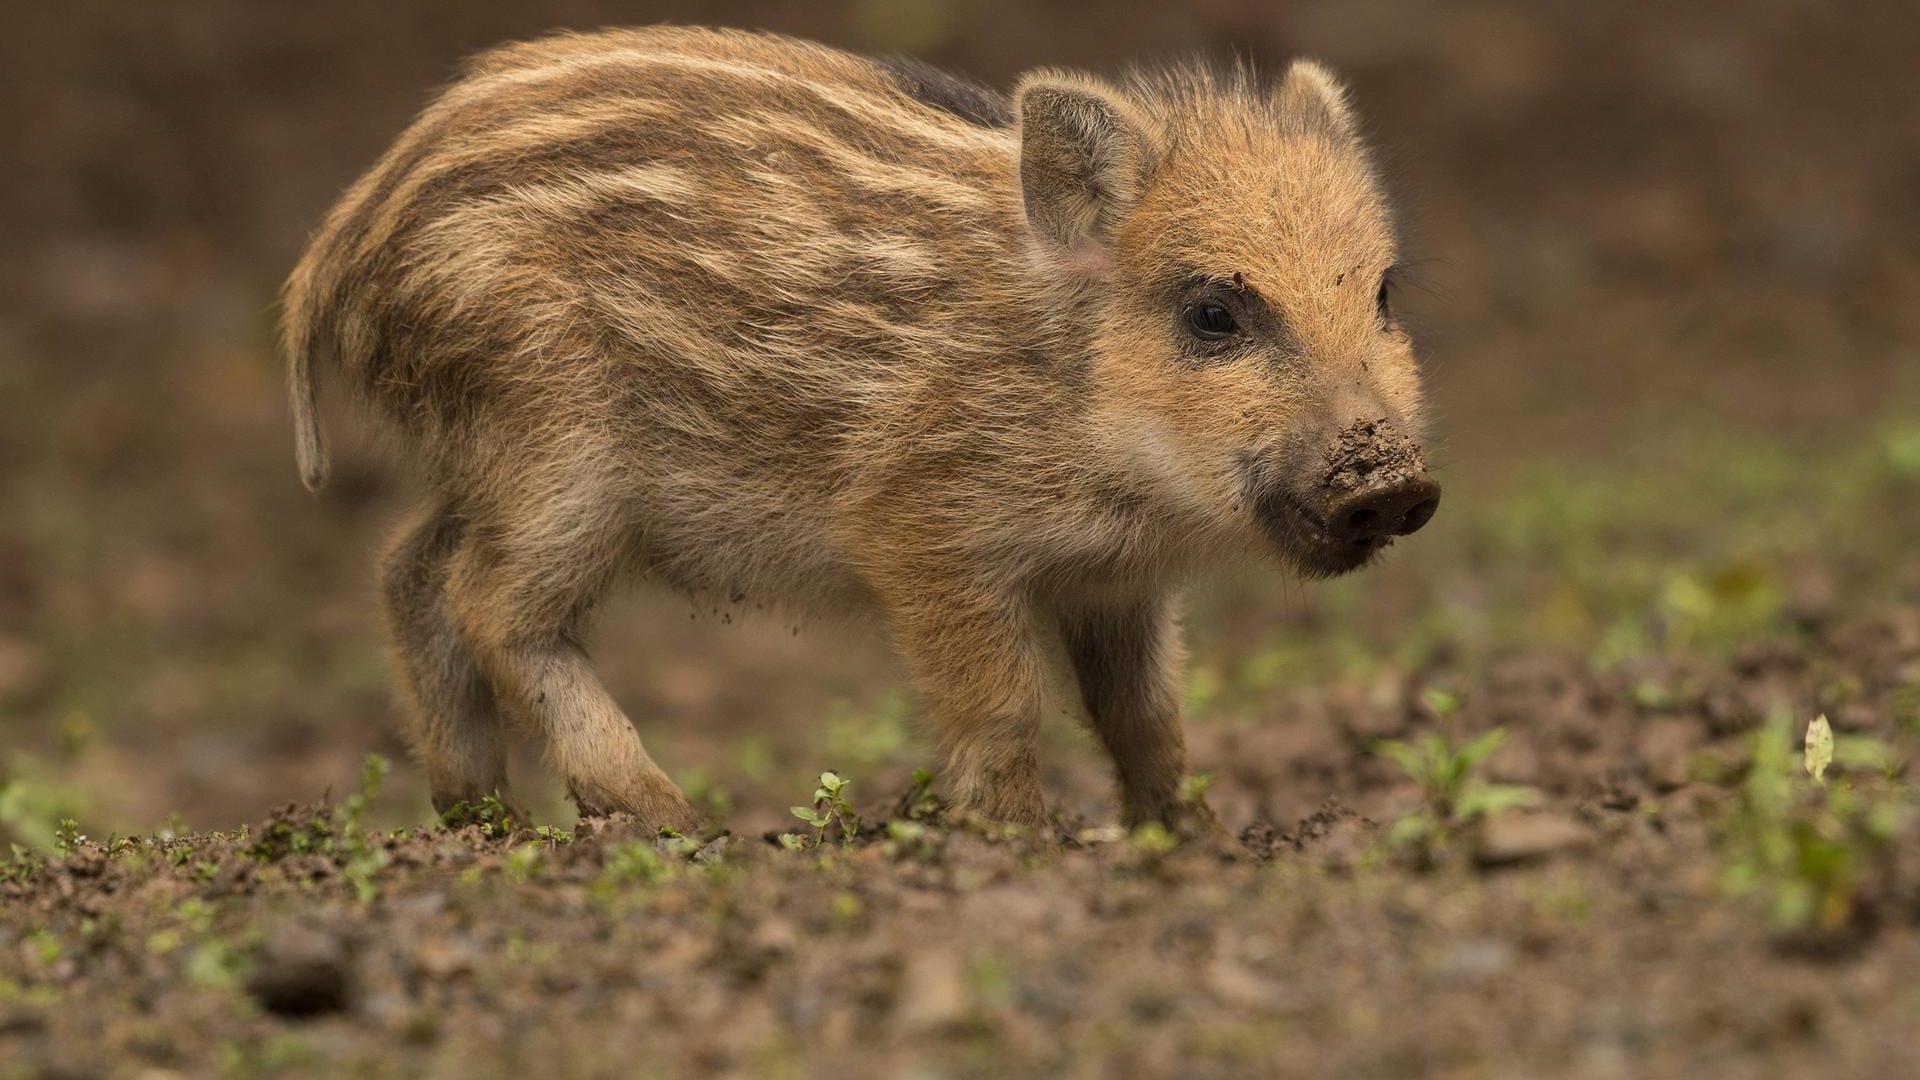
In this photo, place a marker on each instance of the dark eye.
(1210, 319)
(1384, 299)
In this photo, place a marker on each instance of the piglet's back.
(722, 215)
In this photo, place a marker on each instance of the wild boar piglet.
(757, 318)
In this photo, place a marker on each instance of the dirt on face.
(1371, 454)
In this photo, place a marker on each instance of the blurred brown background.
(1654, 241)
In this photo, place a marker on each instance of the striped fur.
(761, 319)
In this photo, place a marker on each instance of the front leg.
(974, 655)
(1127, 659)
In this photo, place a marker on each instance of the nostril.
(1417, 515)
(1362, 522)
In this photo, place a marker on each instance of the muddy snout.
(1376, 485)
(1380, 514)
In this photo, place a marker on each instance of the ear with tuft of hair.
(1084, 158)
(1315, 97)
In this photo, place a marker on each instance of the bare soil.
(1587, 937)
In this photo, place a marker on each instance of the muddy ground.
(1668, 299)
(1589, 936)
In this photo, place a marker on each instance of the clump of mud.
(1371, 453)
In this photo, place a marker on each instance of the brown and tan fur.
(754, 317)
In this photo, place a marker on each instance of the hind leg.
(520, 592)
(453, 723)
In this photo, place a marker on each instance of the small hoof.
(650, 813)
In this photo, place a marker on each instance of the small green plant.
(1194, 788)
(672, 841)
(910, 840)
(1442, 702)
(1904, 704)
(43, 947)
(1454, 796)
(919, 802)
(216, 964)
(21, 866)
(1721, 607)
(1807, 849)
(847, 907)
(830, 812)
(34, 803)
(1902, 445)
(373, 776)
(522, 864)
(293, 831)
(494, 818)
(1153, 840)
(361, 855)
(337, 833)
(627, 864)
(163, 942)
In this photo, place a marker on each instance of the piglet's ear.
(1315, 100)
(1084, 159)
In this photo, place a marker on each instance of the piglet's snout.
(1381, 513)
(1376, 485)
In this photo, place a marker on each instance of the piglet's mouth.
(1305, 540)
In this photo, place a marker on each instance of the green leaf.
(1443, 703)
(373, 773)
(1863, 753)
(1793, 904)
(1492, 800)
(1154, 838)
(1819, 751)
(1481, 748)
(1402, 753)
(1193, 787)
(1410, 830)
(1903, 450)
